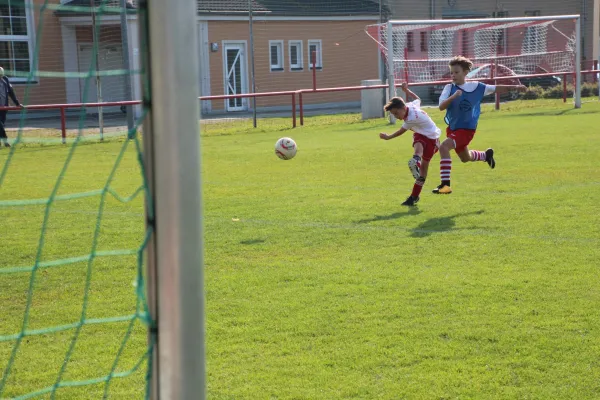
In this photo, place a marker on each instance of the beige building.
(285, 35)
(19, 37)
(284, 40)
(41, 44)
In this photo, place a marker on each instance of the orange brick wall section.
(47, 90)
(348, 56)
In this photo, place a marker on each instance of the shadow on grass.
(441, 224)
(253, 241)
(410, 211)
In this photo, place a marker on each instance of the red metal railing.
(291, 93)
(63, 107)
(436, 83)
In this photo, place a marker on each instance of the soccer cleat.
(6, 144)
(442, 189)
(411, 201)
(414, 168)
(489, 158)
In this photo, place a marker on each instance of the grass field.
(319, 285)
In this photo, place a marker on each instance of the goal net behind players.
(420, 50)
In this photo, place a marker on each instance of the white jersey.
(418, 121)
(467, 87)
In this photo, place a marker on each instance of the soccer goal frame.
(391, 50)
(171, 136)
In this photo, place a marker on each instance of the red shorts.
(461, 137)
(430, 146)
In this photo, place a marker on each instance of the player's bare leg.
(424, 169)
(465, 155)
(445, 166)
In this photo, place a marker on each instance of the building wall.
(52, 90)
(348, 56)
(108, 34)
(47, 90)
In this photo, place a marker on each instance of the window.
(314, 48)
(533, 13)
(276, 54)
(441, 44)
(535, 36)
(423, 41)
(501, 35)
(295, 49)
(464, 43)
(535, 40)
(14, 39)
(410, 41)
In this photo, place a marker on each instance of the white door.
(234, 61)
(110, 57)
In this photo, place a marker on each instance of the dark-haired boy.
(425, 138)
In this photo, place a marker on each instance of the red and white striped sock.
(445, 168)
(477, 155)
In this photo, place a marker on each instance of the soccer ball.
(286, 148)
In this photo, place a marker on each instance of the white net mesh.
(497, 48)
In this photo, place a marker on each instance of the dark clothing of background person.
(6, 91)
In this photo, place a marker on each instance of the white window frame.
(280, 65)
(29, 38)
(299, 66)
(319, 43)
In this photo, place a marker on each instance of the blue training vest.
(463, 112)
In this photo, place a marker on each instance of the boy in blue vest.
(462, 101)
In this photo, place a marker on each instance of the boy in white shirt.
(425, 138)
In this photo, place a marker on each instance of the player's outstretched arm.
(385, 136)
(507, 88)
(409, 92)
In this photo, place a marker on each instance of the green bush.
(589, 89)
(532, 93)
(556, 92)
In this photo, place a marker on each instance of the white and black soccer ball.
(286, 148)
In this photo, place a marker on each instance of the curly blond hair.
(463, 62)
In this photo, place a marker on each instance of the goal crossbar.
(480, 20)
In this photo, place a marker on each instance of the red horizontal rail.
(250, 95)
(497, 78)
(74, 105)
(342, 89)
(292, 93)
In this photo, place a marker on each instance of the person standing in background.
(6, 91)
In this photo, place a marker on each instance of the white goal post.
(418, 51)
(174, 256)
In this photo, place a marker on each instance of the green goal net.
(74, 319)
